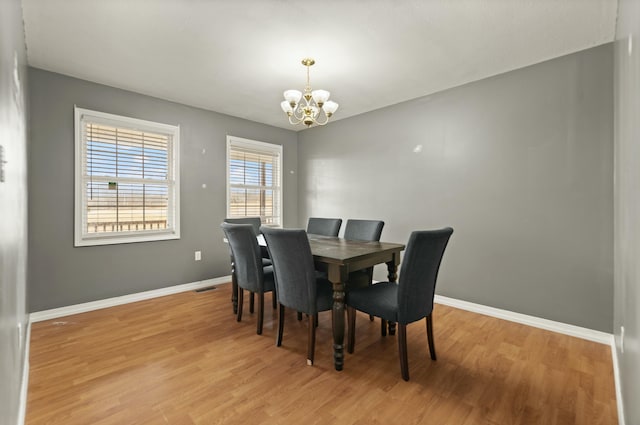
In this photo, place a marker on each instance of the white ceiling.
(238, 56)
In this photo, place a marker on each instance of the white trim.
(617, 382)
(24, 384)
(525, 319)
(54, 313)
(82, 238)
(261, 147)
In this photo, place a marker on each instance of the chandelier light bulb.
(293, 97)
(330, 107)
(320, 96)
(286, 107)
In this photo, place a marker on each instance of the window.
(254, 180)
(127, 186)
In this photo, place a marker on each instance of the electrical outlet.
(622, 339)
(198, 255)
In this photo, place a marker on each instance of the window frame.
(264, 148)
(82, 238)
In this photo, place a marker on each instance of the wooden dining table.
(338, 257)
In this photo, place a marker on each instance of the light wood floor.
(183, 359)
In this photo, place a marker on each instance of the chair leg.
(299, 316)
(250, 302)
(402, 351)
(383, 327)
(351, 331)
(274, 300)
(240, 302)
(432, 346)
(392, 328)
(280, 326)
(234, 291)
(311, 347)
(315, 317)
(371, 283)
(260, 312)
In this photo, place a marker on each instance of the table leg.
(392, 268)
(337, 275)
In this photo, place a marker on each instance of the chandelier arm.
(298, 121)
(325, 121)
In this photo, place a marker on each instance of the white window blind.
(126, 179)
(254, 180)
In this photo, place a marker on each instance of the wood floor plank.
(183, 359)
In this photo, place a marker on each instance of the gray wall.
(627, 205)
(13, 210)
(62, 275)
(520, 165)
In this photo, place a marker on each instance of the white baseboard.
(618, 384)
(24, 384)
(537, 322)
(54, 313)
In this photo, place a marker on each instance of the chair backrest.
(324, 226)
(246, 255)
(293, 268)
(363, 230)
(255, 222)
(419, 272)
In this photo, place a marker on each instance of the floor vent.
(208, 288)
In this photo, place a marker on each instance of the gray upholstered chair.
(255, 222)
(324, 226)
(297, 286)
(247, 266)
(362, 230)
(411, 298)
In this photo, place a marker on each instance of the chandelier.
(308, 111)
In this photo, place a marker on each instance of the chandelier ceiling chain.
(313, 101)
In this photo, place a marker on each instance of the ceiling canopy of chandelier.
(305, 107)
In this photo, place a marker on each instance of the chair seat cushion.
(266, 262)
(379, 300)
